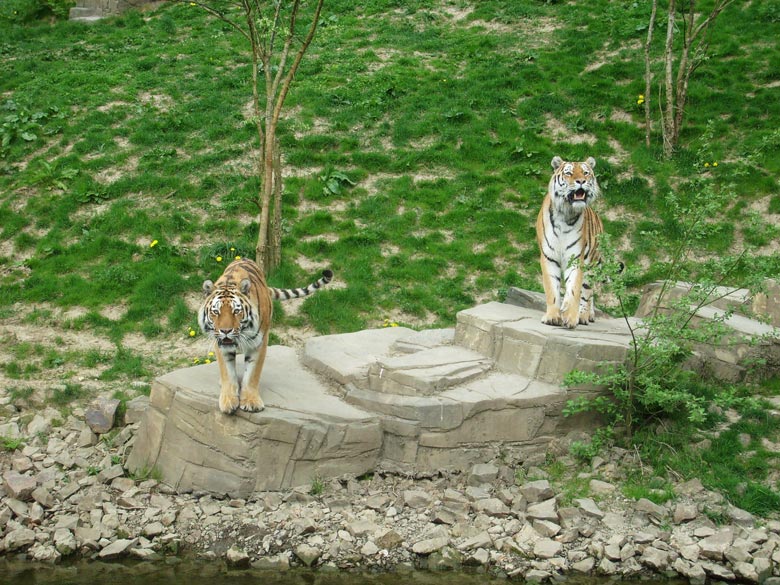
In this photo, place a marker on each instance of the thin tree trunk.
(668, 112)
(648, 75)
(264, 32)
(275, 256)
(266, 194)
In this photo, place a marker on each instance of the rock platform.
(392, 399)
(402, 401)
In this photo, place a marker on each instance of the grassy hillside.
(417, 142)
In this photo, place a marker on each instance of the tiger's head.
(227, 315)
(573, 184)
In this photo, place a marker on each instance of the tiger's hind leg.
(228, 393)
(250, 386)
(587, 310)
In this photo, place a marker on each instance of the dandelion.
(211, 354)
(706, 165)
(153, 243)
(232, 249)
(192, 332)
(195, 361)
(640, 100)
(238, 257)
(207, 361)
(714, 164)
(218, 258)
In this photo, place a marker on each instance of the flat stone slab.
(346, 358)
(425, 339)
(520, 343)
(427, 372)
(304, 432)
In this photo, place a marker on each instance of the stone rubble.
(64, 497)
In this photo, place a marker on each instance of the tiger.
(236, 314)
(567, 230)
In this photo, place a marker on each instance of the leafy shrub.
(23, 11)
(655, 383)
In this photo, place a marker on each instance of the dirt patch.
(605, 56)
(111, 105)
(620, 154)
(560, 131)
(159, 101)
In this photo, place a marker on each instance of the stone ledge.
(303, 433)
(392, 398)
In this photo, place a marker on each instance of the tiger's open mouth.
(225, 341)
(578, 195)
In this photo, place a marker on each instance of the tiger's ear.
(591, 162)
(246, 284)
(208, 286)
(556, 162)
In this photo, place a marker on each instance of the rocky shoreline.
(66, 495)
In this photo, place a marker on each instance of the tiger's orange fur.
(567, 230)
(237, 314)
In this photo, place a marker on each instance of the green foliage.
(317, 486)
(655, 488)
(722, 461)
(125, 364)
(334, 181)
(19, 123)
(144, 473)
(11, 444)
(416, 154)
(657, 382)
(68, 393)
(25, 11)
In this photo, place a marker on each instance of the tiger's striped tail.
(284, 294)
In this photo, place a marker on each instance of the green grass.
(417, 139)
(735, 462)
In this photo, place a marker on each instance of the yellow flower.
(714, 164)
(232, 249)
(211, 354)
(153, 244)
(219, 258)
(195, 361)
(207, 361)
(192, 333)
(706, 165)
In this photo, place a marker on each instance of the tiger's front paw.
(570, 319)
(251, 401)
(228, 400)
(252, 404)
(586, 318)
(552, 316)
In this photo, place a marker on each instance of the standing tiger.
(237, 312)
(567, 230)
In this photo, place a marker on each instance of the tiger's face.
(228, 316)
(573, 184)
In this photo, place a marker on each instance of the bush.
(24, 11)
(655, 383)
